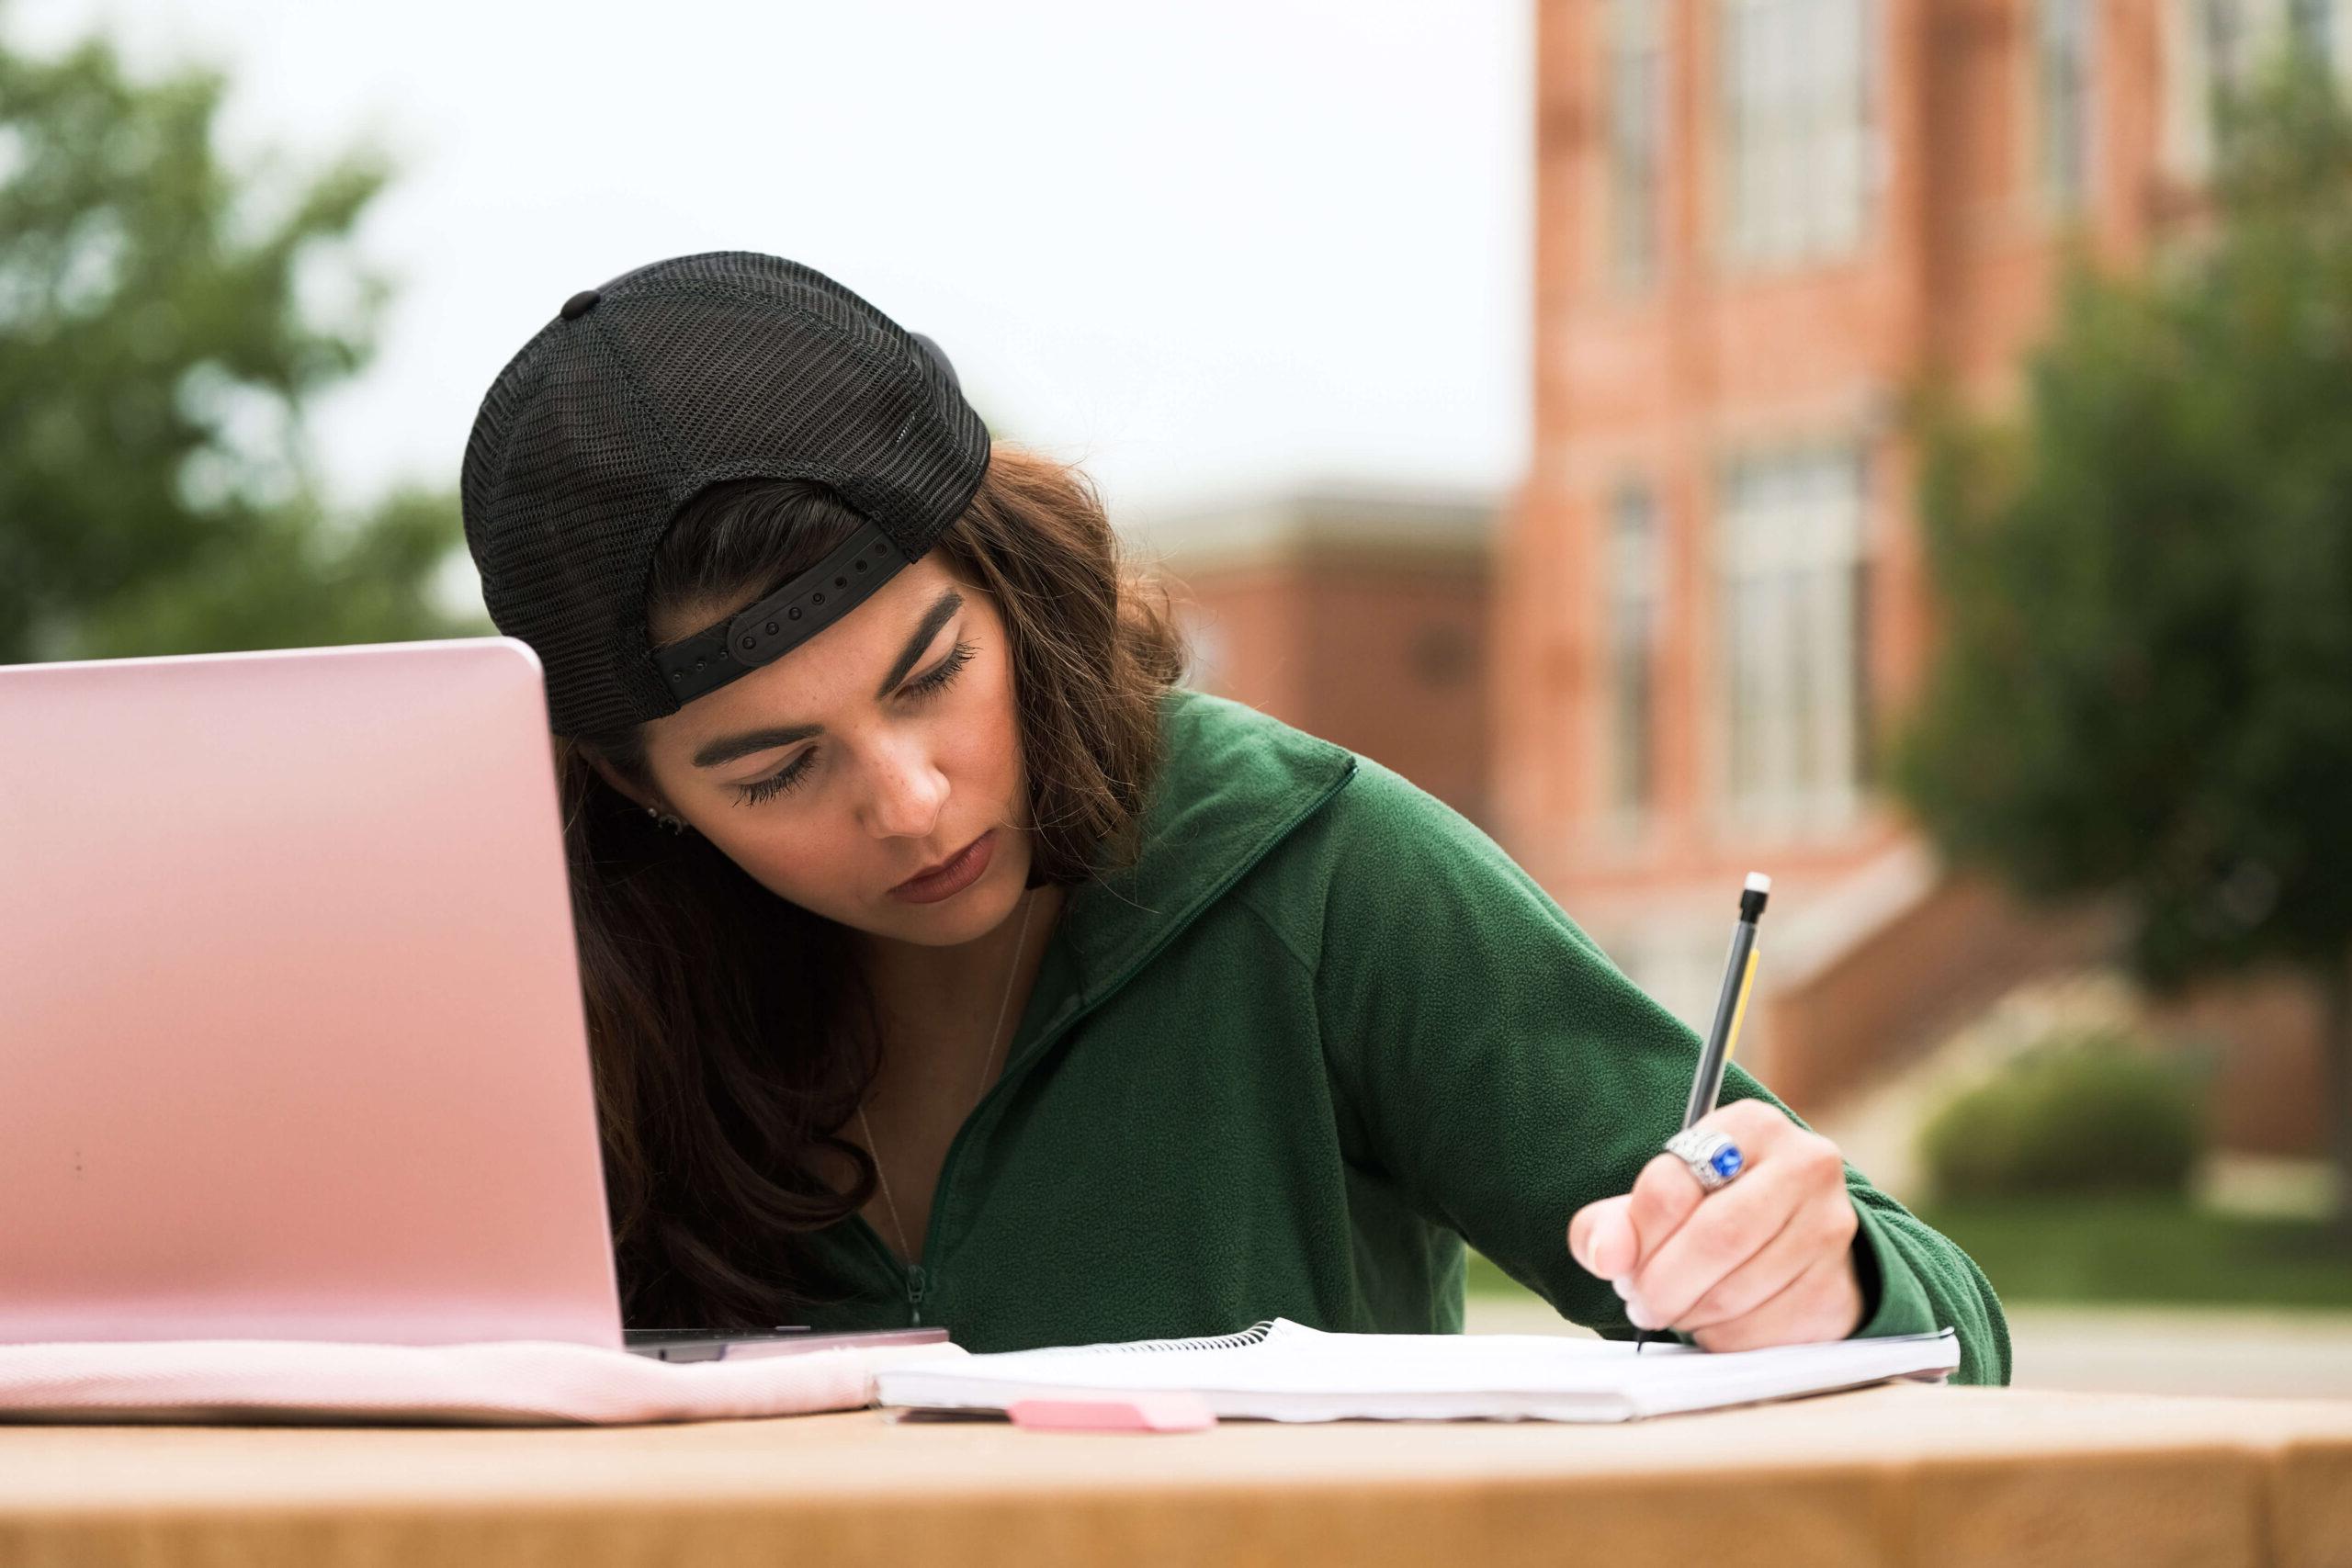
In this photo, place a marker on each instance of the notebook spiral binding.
(1255, 1334)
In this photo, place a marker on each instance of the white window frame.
(1633, 226)
(1634, 578)
(1793, 564)
(2063, 120)
(1800, 128)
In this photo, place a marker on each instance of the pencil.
(1731, 1010)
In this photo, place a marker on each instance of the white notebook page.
(1284, 1370)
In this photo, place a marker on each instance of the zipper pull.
(917, 1285)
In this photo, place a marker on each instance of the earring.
(675, 825)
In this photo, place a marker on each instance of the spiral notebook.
(1280, 1371)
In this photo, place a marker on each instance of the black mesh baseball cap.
(677, 376)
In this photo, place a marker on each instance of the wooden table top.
(1900, 1474)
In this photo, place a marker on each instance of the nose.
(906, 791)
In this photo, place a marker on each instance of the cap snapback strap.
(766, 631)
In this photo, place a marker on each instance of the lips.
(932, 870)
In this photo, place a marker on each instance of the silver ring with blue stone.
(1714, 1159)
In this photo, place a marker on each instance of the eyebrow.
(730, 748)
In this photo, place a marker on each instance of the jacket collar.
(1233, 783)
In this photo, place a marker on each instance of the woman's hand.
(1768, 1259)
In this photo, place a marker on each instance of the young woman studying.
(946, 962)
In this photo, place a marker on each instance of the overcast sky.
(1204, 248)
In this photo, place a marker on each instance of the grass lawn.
(1484, 1280)
(2156, 1252)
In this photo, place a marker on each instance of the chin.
(968, 916)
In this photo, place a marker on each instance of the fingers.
(1798, 1190)
(1765, 1260)
(1612, 1237)
(1811, 1234)
(1756, 1126)
(1824, 1302)
(1725, 1234)
(1666, 1194)
(1602, 1238)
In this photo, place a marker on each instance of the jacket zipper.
(919, 1281)
(919, 1278)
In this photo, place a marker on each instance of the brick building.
(1761, 223)
(1356, 613)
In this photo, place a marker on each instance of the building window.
(1799, 127)
(1636, 152)
(2225, 46)
(1637, 594)
(2063, 101)
(1794, 583)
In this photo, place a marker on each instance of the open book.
(1280, 1371)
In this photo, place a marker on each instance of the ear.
(605, 770)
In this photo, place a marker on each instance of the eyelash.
(768, 788)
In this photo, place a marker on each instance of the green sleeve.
(1502, 1073)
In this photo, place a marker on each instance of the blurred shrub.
(2077, 1113)
(168, 318)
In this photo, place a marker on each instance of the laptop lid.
(291, 1043)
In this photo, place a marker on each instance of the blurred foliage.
(2143, 687)
(2144, 680)
(2082, 1114)
(160, 340)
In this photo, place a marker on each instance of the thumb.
(1602, 1238)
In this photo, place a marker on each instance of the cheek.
(988, 744)
(808, 864)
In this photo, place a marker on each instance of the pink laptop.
(291, 1043)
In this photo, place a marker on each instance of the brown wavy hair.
(730, 1033)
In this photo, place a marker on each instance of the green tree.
(2144, 683)
(161, 339)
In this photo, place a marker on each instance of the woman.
(945, 963)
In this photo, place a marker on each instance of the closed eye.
(939, 673)
(929, 683)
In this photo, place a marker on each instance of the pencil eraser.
(1759, 882)
(1143, 1413)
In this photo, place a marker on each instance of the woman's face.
(883, 749)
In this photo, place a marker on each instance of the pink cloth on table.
(519, 1382)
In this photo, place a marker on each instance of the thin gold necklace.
(996, 1035)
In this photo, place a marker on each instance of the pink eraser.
(1143, 1413)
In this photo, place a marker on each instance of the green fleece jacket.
(1320, 1033)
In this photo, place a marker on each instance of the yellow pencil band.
(1731, 1003)
(1723, 1037)
(1747, 983)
